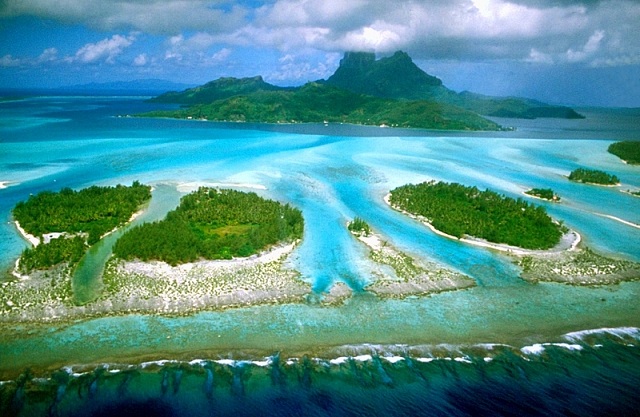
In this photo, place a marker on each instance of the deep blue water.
(589, 374)
(333, 173)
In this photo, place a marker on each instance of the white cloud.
(48, 55)
(141, 60)
(535, 31)
(538, 57)
(592, 46)
(9, 61)
(106, 49)
(221, 55)
(296, 69)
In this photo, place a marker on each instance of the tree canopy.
(628, 151)
(593, 176)
(213, 224)
(82, 216)
(94, 210)
(459, 210)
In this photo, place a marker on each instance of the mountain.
(216, 90)
(399, 77)
(393, 77)
(317, 103)
(391, 91)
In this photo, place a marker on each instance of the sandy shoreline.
(401, 276)
(565, 263)
(568, 242)
(158, 288)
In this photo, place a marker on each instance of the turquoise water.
(332, 174)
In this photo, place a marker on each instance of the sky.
(575, 52)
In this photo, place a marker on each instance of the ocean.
(504, 347)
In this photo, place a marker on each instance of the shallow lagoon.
(49, 143)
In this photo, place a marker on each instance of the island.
(320, 103)
(544, 194)
(544, 249)
(458, 210)
(213, 224)
(389, 92)
(628, 151)
(399, 275)
(62, 225)
(593, 176)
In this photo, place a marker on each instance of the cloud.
(591, 47)
(141, 60)
(151, 16)
(9, 61)
(538, 57)
(105, 50)
(48, 55)
(533, 31)
(296, 69)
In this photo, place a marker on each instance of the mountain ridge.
(395, 77)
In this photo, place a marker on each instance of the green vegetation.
(81, 216)
(53, 253)
(628, 151)
(212, 224)
(391, 91)
(316, 103)
(359, 226)
(544, 193)
(94, 210)
(593, 176)
(398, 77)
(217, 90)
(459, 210)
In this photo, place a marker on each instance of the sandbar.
(401, 276)
(565, 263)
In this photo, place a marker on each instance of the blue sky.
(561, 51)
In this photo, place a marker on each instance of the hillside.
(317, 103)
(391, 91)
(398, 77)
(216, 90)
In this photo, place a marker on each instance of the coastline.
(157, 288)
(566, 263)
(401, 276)
(568, 242)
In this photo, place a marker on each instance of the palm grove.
(459, 210)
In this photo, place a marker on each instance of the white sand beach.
(568, 242)
(400, 275)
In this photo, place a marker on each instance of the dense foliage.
(358, 225)
(212, 224)
(94, 210)
(593, 176)
(216, 90)
(628, 151)
(316, 103)
(58, 250)
(544, 193)
(459, 210)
